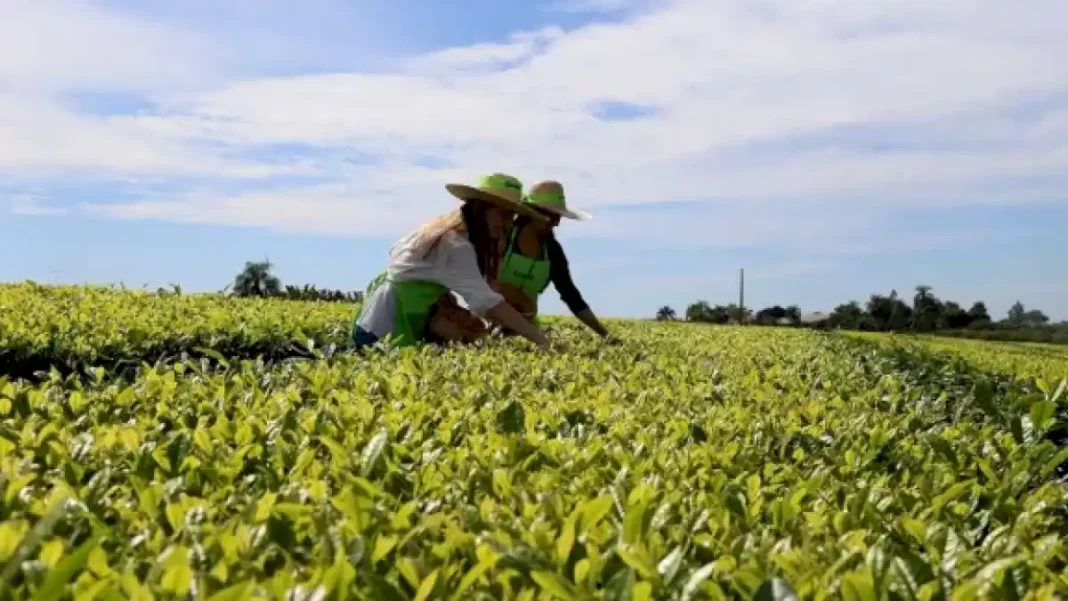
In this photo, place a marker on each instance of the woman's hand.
(587, 317)
(504, 314)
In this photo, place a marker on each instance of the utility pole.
(741, 295)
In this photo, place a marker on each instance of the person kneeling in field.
(534, 258)
(411, 301)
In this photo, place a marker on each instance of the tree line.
(925, 313)
(890, 313)
(256, 280)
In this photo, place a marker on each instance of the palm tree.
(919, 304)
(256, 280)
(665, 314)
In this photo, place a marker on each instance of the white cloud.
(1054, 126)
(326, 209)
(31, 204)
(72, 44)
(486, 55)
(41, 137)
(717, 75)
(53, 50)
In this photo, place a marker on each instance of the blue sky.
(832, 149)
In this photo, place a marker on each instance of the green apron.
(413, 301)
(530, 276)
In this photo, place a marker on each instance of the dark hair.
(521, 221)
(487, 250)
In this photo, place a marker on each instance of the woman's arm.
(587, 317)
(507, 316)
(560, 273)
(463, 277)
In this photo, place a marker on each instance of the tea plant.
(1026, 361)
(72, 327)
(683, 463)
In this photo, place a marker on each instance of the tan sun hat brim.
(576, 214)
(549, 196)
(465, 192)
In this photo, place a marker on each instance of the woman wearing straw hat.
(534, 258)
(459, 252)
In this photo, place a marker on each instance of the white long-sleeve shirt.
(451, 263)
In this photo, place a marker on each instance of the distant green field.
(1025, 360)
(685, 462)
(77, 326)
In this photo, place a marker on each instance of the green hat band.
(500, 181)
(555, 199)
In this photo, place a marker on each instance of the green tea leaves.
(369, 459)
(555, 585)
(689, 463)
(775, 589)
(1042, 415)
(512, 419)
(177, 573)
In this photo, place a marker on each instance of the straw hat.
(549, 196)
(496, 188)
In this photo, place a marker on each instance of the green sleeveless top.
(531, 276)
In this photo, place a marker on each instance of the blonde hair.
(469, 219)
(431, 232)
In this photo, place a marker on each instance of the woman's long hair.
(470, 218)
(522, 221)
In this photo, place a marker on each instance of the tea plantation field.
(194, 447)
